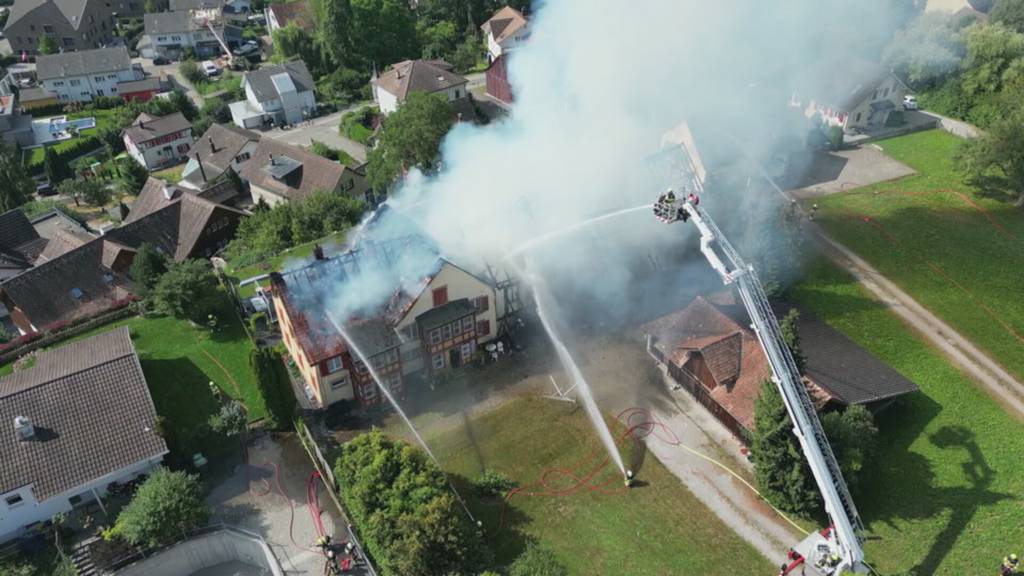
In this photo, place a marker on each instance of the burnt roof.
(91, 410)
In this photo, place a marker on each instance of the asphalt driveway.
(822, 172)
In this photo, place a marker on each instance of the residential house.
(859, 96)
(82, 76)
(222, 148)
(708, 349)
(425, 327)
(83, 420)
(275, 95)
(505, 31)
(168, 34)
(72, 24)
(279, 172)
(142, 90)
(233, 11)
(158, 141)
(431, 76)
(280, 15)
(77, 277)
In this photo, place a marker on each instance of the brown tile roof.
(313, 173)
(91, 410)
(146, 127)
(71, 286)
(217, 148)
(61, 243)
(19, 240)
(504, 24)
(418, 76)
(297, 12)
(169, 218)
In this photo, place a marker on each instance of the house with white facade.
(82, 76)
(275, 95)
(858, 96)
(505, 31)
(168, 34)
(278, 173)
(157, 142)
(429, 326)
(223, 148)
(233, 11)
(77, 421)
(431, 76)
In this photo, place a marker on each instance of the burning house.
(436, 317)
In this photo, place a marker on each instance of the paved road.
(323, 129)
(173, 76)
(827, 172)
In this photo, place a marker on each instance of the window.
(370, 392)
(85, 94)
(242, 157)
(340, 383)
(857, 119)
(875, 95)
(361, 367)
(76, 82)
(111, 76)
(440, 296)
(17, 500)
(48, 29)
(467, 352)
(458, 94)
(75, 500)
(99, 92)
(58, 83)
(435, 336)
(334, 364)
(446, 331)
(482, 304)
(176, 38)
(98, 78)
(69, 41)
(393, 382)
(410, 355)
(437, 361)
(483, 328)
(411, 332)
(392, 356)
(32, 27)
(183, 148)
(467, 323)
(161, 38)
(457, 328)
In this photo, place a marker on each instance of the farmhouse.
(281, 94)
(708, 349)
(859, 97)
(223, 147)
(82, 76)
(278, 172)
(427, 327)
(431, 76)
(156, 142)
(83, 419)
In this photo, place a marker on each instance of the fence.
(49, 338)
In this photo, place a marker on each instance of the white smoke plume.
(596, 86)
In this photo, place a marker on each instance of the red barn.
(498, 86)
(141, 90)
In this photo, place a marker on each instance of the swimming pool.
(61, 123)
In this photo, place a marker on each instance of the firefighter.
(1010, 565)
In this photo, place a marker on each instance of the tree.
(165, 505)
(292, 42)
(790, 327)
(56, 170)
(1010, 13)
(230, 421)
(273, 385)
(187, 290)
(380, 33)
(147, 267)
(990, 51)
(335, 19)
(16, 187)
(779, 465)
(994, 161)
(465, 56)
(133, 176)
(853, 437)
(927, 50)
(92, 190)
(537, 561)
(438, 40)
(410, 521)
(410, 138)
(47, 45)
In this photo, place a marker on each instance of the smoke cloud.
(596, 86)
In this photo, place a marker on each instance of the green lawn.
(227, 81)
(959, 254)
(945, 493)
(657, 528)
(179, 361)
(170, 175)
(276, 263)
(103, 118)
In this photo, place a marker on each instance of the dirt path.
(965, 355)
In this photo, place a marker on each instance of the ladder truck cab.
(838, 548)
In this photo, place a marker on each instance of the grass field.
(657, 528)
(959, 254)
(227, 82)
(179, 361)
(945, 493)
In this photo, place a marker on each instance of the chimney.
(142, 124)
(23, 428)
(318, 252)
(202, 171)
(272, 161)
(213, 147)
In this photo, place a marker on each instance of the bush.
(493, 484)
(834, 135)
(188, 290)
(190, 71)
(165, 505)
(274, 386)
(537, 561)
(230, 421)
(147, 267)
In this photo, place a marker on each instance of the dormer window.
(77, 293)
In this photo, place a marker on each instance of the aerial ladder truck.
(838, 548)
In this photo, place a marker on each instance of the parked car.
(910, 102)
(161, 61)
(45, 189)
(247, 49)
(209, 68)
